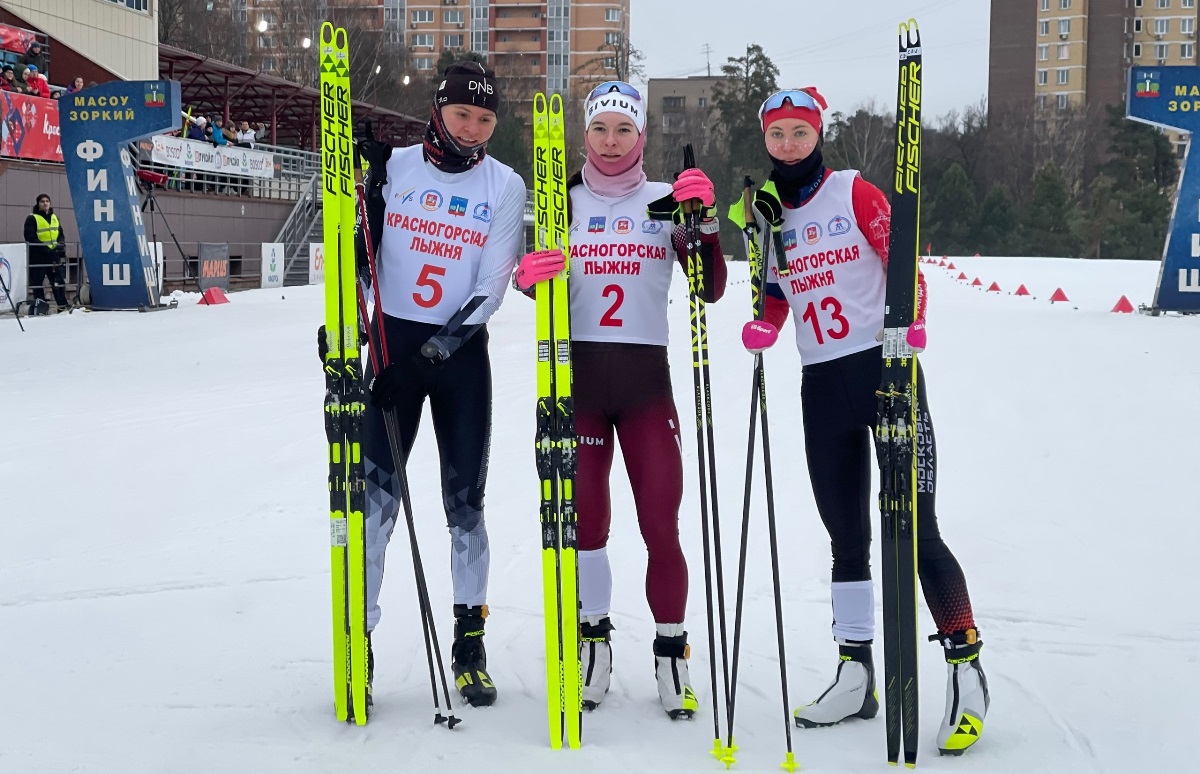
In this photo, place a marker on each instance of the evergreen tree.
(748, 81)
(999, 226)
(1131, 199)
(954, 214)
(1049, 217)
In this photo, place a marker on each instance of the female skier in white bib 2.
(622, 260)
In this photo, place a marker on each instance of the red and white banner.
(29, 128)
(15, 39)
(205, 157)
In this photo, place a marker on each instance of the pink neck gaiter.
(615, 178)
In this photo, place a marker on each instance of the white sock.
(595, 582)
(854, 610)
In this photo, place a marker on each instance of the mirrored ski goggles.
(618, 86)
(800, 99)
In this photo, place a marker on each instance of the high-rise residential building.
(1058, 54)
(552, 45)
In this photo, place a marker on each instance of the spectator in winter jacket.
(35, 84)
(8, 79)
(47, 254)
(245, 135)
(76, 85)
(35, 55)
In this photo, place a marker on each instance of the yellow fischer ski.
(555, 442)
(344, 395)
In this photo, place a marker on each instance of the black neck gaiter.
(797, 182)
(444, 152)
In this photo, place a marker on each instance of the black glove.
(376, 155)
(322, 344)
(388, 384)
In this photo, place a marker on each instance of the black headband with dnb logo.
(468, 83)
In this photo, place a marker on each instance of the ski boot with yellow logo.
(470, 658)
(967, 698)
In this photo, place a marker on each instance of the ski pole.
(378, 353)
(705, 447)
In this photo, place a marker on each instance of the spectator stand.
(290, 111)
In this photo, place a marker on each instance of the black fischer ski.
(895, 430)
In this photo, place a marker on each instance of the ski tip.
(910, 35)
(556, 103)
(326, 33)
(539, 103)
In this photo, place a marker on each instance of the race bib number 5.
(430, 290)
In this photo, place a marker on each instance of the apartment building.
(1059, 54)
(552, 45)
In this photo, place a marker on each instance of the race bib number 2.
(616, 296)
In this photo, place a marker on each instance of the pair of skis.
(343, 202)
(896, 426)
(554, 442)
(345, 395)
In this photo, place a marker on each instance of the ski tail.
(896, 428)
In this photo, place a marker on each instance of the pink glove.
(537, 267)
(758, 335)
(916, 336)
(693, 184)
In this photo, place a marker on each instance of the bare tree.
(862, 141)
(618, 61)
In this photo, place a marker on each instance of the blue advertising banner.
(1169, 97)
(97, 126)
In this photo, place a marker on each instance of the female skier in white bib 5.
(446, 220)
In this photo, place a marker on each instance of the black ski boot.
(470, 658)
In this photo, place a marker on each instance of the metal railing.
(298, 227)
(296, 168)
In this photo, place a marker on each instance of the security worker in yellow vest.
(47, 255)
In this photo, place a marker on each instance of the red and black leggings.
(626, 388)
(838, 401)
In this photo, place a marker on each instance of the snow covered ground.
(164, 566)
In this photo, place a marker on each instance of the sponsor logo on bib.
(431, 200)
(651, 226)
(622, 225)
(812, 233)
(789, 239)
(596, 225)
(482, 212)
(838, 226)
(458, 206)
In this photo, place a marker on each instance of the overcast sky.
(846, 48)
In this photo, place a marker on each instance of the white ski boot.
(670, 667)
(852, 693)
(967, 698)
(595, 658)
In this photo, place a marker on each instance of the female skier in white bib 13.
(835, 238)
(622, 261)
(446, 219)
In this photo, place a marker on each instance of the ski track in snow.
(164, 576)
